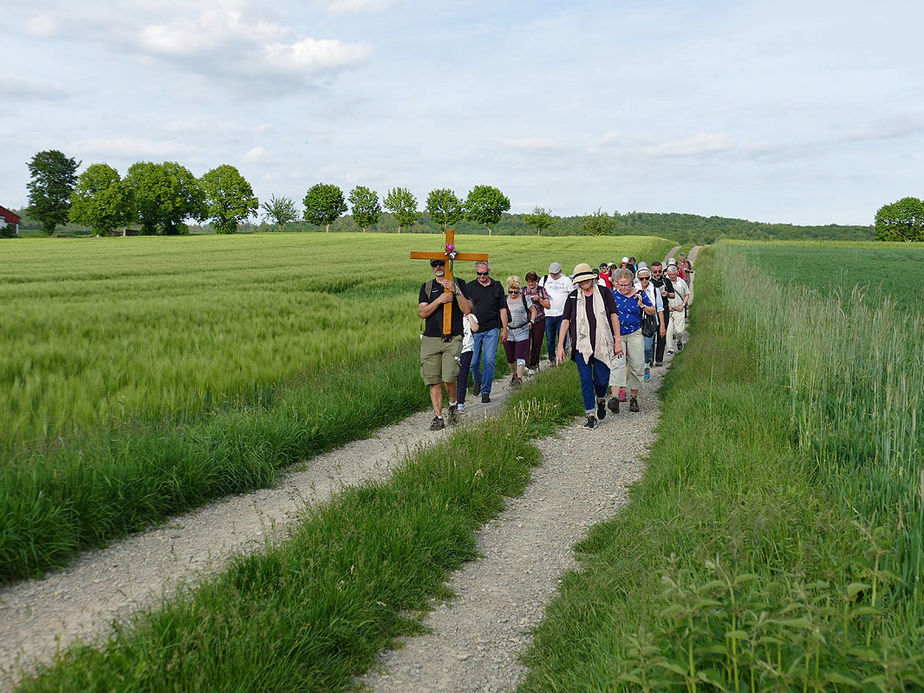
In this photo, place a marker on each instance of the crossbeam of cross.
(450, 255)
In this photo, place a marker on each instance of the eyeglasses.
(623, 286)
(482, 274)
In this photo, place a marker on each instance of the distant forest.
(683, 228)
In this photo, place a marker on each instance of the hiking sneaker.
(659, 364)
(633, 405)
(670, 351)
(647, 373)
(461, 408)
(453, 414)
(679, 345)
(601, 409)
(485, 398)
(622, 394)
(591, 422)
(437, 424)
(614, 405)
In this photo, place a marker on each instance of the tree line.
(160, 198)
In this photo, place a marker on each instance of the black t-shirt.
(487, 302)
(663, 284)
(434, 323)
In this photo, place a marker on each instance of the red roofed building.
(7, 218)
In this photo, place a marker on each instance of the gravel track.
(475, 640)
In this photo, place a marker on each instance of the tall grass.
(145, 376)
(854, 374)
(749, 557)
(314, 610)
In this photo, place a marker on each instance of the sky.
(792, 111)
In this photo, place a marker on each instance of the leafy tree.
(540, 219)
(165, 195)
(365, 207)
(229, 198)
(484, 205)
(323, 205)
(53, 179)
(598, 224)
(403, 205)
(100, 200)
(901, 221)
(280, 210)
(444, 207)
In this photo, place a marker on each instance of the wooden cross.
(449, 254)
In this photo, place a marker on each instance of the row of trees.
(160, 197)
(902, 220)
(324, 203)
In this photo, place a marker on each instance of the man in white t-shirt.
(558, 286)
(677, 307)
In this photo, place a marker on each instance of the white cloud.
(257, 155)
(345, 6)
(703, 143)
(225, 43)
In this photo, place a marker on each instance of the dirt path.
(475, 641)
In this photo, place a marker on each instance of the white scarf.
(602, 349)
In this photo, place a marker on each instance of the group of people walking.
(617, 321)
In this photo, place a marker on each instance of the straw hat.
(582, 272)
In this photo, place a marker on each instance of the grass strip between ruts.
(315, 609)
(733, 566)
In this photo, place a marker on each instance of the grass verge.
(737, 564)
(314, 610)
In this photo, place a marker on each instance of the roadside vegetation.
(314, 610)
(775, 541)
(144, 378)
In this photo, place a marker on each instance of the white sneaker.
(530, 371)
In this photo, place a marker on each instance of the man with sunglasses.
(439, 358)
(489, 304)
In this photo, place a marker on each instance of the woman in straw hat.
(591, 321)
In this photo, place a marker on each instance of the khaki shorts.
(439, 360)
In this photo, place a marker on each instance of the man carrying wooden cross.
(439, 352)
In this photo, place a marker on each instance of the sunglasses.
(437, 263)
(643, 279)
(482, 274)
(513, 291)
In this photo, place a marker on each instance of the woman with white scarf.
(590, 320)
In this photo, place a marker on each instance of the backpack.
(525, 307)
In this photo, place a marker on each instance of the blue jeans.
(649, 349)
(486, 347)
(595, 377)
(552, 324)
